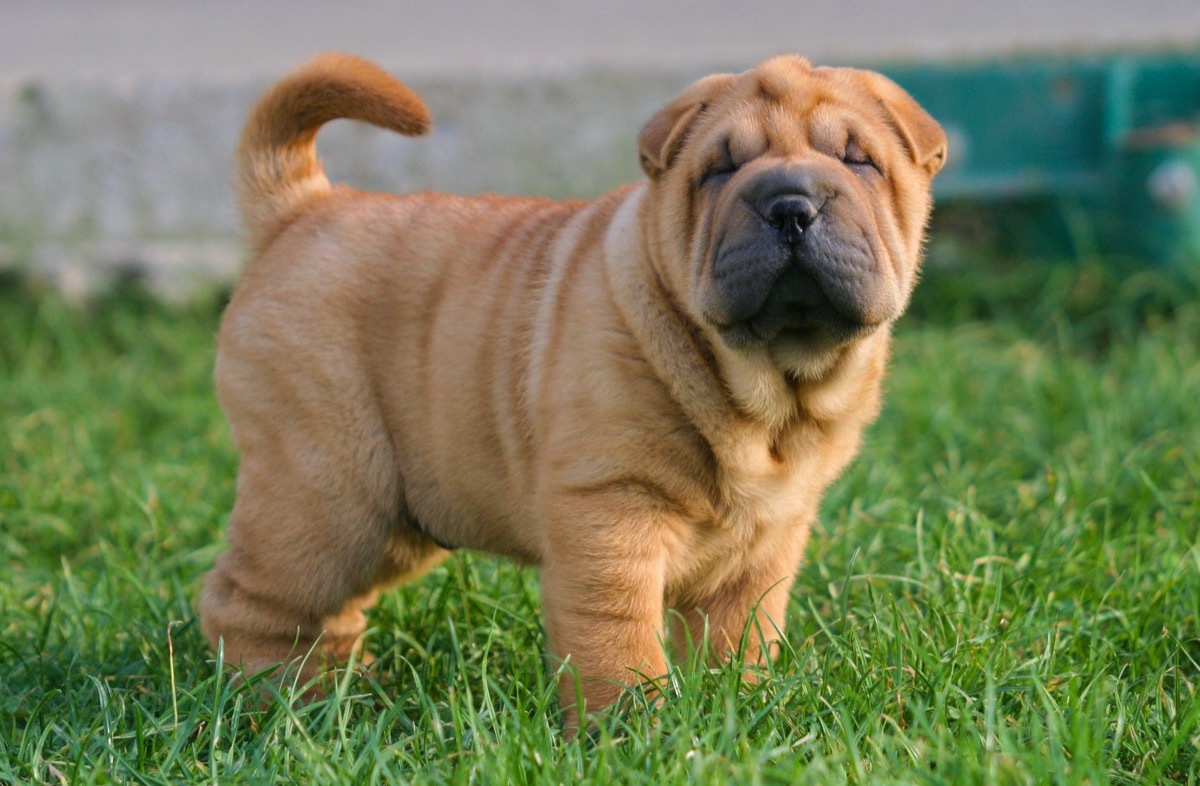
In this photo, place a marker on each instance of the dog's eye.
(716, 174)
(720, 170)
(857, 158)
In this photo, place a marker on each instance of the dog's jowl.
(645, 394)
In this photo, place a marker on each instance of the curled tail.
(278, 171)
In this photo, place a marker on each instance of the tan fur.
(540, 379)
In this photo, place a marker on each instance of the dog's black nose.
(792, 213)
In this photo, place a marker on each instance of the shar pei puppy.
(646, 394)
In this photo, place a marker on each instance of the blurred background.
(117, 119)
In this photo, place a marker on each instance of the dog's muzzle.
(795, 258)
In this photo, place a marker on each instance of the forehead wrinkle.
(803, 105)
(785, 128)
(720, 126)
(798, 106)
(854, 97)
(798, 95)
(782, 77)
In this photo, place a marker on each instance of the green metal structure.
(1114, 140)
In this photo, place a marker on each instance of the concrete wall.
(108, 179)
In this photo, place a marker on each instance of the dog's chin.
(800, 314)
(807, 357)
(785, 324)
(803, 344)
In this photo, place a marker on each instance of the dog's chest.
(761, 498)
(770, 488)
(760, 509)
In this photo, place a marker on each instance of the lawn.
(1004, 588)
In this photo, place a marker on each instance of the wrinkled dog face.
(808, 195)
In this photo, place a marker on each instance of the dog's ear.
(922, 135)
(663, 134)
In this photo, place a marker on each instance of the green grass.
(1005, 588)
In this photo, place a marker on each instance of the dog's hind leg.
(315, 532)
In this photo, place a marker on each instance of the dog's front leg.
(747, 612)
(602, 589)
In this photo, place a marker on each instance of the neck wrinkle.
(681, 357)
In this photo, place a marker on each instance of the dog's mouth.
(797, 310)
(808, 329)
